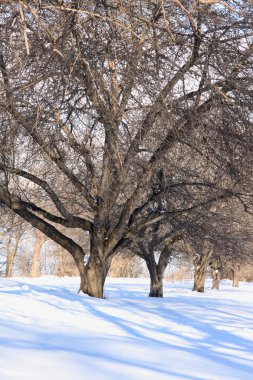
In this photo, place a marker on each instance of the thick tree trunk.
(156, 287)
(200, 267)
(93, 283)
(156, 270)
(156, 278)
(93, 276)
(93, 279)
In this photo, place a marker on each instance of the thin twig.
(22, 17)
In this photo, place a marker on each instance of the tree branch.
(18, 205)
(14, 204)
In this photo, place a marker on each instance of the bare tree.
(98, 95)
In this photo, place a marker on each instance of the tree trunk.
(9, 258)
(39, 241)
(93, 280)
(216, 279)
(156, 286)
(156, 278)
(235, 276)
(200, 266)
(94, 274)
(215, 268)
(60, 265)
(11, 253)
(156, 270)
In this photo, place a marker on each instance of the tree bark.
(11, 253)
(215, 268)
(216, 279)
(60, 266)
(156, 272)
(9, 258)
(93, 279)
(92, 283)
(156, 287)
(156, 280)
(39, 241)
(94, 274)
(235, 276)
(200, 267)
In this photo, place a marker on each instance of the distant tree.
(126, 264)
(12, 231)
(39, 240)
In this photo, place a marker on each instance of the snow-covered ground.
(49, 332)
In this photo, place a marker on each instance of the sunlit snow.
(49, 332)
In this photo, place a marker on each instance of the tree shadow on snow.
(203, 328)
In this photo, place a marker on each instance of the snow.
(49, 332)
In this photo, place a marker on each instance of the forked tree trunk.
(215, 268)
(216, 279)
(156, 287)
(156, 281)
(200, 267)
(156, 271)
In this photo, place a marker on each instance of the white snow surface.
(49, 332)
